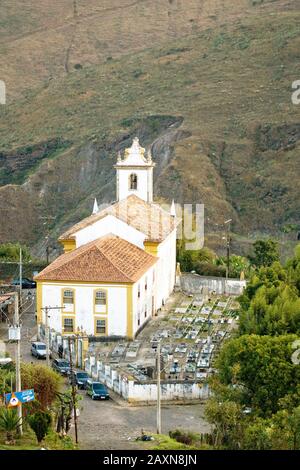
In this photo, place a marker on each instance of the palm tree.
(9, 421)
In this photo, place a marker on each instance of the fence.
(195, 284)
(136, 392)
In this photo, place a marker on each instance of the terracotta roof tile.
(107, 259)
(148, 218)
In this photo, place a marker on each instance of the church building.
(119, 265)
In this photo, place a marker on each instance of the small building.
(119, 264)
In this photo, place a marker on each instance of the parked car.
(96, 390)
(38, 350)
(62, 366)
(79, 378)
(26, 283)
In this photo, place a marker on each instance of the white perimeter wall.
(84, 307)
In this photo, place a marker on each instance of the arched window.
(100, 297)
(133, 181)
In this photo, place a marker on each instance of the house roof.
(107, 259)
(148, 218)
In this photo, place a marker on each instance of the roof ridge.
(110, 261)
(135, 246)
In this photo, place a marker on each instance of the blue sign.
(17, 398)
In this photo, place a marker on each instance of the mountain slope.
(208, 88)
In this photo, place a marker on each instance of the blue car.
(79, 378)
(96, 390)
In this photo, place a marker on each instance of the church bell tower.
(135, 173)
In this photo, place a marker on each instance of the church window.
(139, 291)
(133, 181)
(101, 327)
(100, 297)
(68, 297)
(146, 284)
(68, 325)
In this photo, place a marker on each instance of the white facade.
(144, 179)
(166, 269)
(122, 307)
(144, 299)
(84, 312)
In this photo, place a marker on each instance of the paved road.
(114, 425)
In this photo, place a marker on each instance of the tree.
(40, 423)
(265, 369)
(286, 430)
(237, 265)
(266, 252)
(190, 259)
(44, 381)
(11, 252)
(9, 422)
(257, 435)
(227, 420)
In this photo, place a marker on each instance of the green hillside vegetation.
(257, 393)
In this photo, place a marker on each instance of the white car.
(39, 350)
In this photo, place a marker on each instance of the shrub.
(183, 437)
(43, 380)
(9, 422)
(40, 423)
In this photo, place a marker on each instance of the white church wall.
(143, 182)
(143, 304)
(166, 268)
(110, 224)
(83, 315)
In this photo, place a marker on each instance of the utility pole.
(228, 240)
(18, 361)
(158, 416)
(73, 390)
(47, 220)
(47, 337)
(47, 331)
(20, 276)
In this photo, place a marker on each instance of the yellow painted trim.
(130, 333)
(151, 248)
(62, 301)
(95, 325)
(39, 302)
(69, 245)
(72, 317)
(94, 300)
